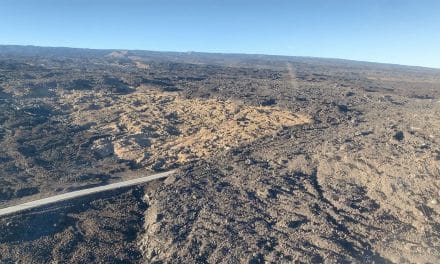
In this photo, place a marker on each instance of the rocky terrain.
(280, 159)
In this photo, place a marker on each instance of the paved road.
(84, 192)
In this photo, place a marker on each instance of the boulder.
(399, 136)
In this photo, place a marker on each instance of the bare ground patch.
(162, 129)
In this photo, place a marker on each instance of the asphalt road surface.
(80, 193)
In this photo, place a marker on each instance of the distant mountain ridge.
(232, 59)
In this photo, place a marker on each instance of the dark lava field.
(279, 159)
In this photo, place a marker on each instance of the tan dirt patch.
(153, 127)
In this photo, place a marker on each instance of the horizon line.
(225, 53)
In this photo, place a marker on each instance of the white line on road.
(76, 194)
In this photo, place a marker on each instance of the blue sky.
(394, 31)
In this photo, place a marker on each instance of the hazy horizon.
(223, 53)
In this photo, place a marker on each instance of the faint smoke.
(292, 76)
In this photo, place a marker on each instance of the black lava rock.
(399, 136)
(343, 108)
